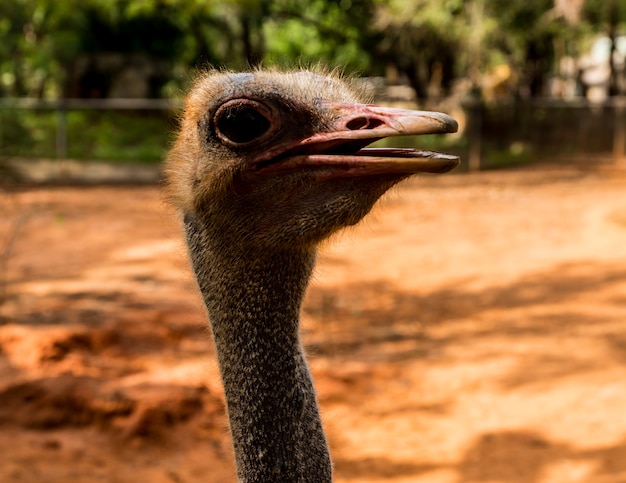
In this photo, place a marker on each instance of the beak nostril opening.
(359, 123)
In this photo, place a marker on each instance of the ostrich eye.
(243, 121)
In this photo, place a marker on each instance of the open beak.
(342, 150)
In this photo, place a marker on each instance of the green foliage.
(598, 12)
(43, 38)
(332, 33)
(431, 41)
(100, 135)
(116, 136)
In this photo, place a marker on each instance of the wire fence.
(492, 134)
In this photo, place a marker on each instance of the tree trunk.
(614, 88)
(253, 53)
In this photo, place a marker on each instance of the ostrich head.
(279, 158)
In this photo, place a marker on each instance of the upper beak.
(354, 126)
(355, 120)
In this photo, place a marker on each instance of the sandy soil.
(473, 329)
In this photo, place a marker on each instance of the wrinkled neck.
(253, 300)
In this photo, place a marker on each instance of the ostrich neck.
(253, 300)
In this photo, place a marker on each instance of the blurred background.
(520, 76)
(472, 329)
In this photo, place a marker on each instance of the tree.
(422, 40)
(608, 16)
(44, 40)
(434, 43)
(318, 31)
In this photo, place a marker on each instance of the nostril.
(359, 123)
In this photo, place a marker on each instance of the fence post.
(619, 130)
(475, 133)
(61, 138)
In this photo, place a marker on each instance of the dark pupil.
(242, 124)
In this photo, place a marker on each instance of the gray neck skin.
(253, 300)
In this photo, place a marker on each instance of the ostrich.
(265, 166)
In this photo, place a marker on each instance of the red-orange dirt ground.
(472, 329)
